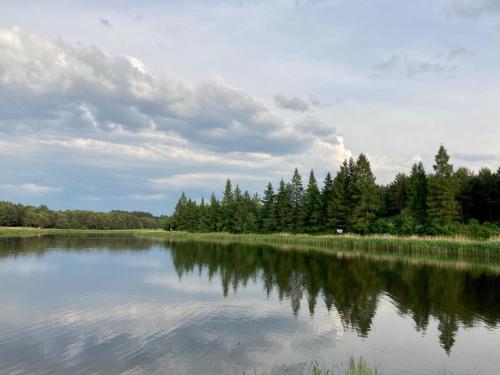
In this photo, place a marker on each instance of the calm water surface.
(129, 306)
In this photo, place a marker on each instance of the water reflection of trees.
(20, 246)
(353, 286)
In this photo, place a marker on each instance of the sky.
(125, 104)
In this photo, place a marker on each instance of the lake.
(111, 305)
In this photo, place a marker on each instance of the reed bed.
(449, 246)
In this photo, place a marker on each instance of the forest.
(444, 202)
(18, 215)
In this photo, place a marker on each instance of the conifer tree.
(179, 218)
(249, 213)
(214, 214)
(283, 207)
(326, 197)
(239, 210)
(228, 208)
(396, 195)
(267, 215)
(417, 193)
(443, 189)
(339, 207)
(465, 178)
(192, 215)
(203, 218)
(365, 197)
(296, 201)
(312, 205)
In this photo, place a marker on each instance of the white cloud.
(66, 88)
(29, 188)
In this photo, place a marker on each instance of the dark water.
(130, 306)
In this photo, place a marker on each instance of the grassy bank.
(454, 246)
(405, 245)
(6, 232)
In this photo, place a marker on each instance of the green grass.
(464, 247)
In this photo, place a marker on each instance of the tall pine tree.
(365, 196)
(267, 214)
(214, 214)
(339, 207)
(443, 189)
(417, 194)
(228, 208)
(283, 207)
(326, 197)
(296, 201)
(312, 205)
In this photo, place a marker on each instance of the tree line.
(441, 202)
(16, 215)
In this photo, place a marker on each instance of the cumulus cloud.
(293, 103)
(49, 84)
(75, 108)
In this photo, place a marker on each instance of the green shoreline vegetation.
(446, 202)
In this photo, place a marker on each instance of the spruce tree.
(326, 197)
(312, 205)
(214, 214)
(296, 201)
(249, 213)
(203, 217)
(465, 179)
(192, 216)
(443, 189)
(417, 194)
(267, 215)
(228, 208)
(283, 207)
(339, 208)
(365, 196)
(179, 218)
(239, 210)
(396, 195)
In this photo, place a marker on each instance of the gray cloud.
(313, 125)
(457, 52)
(412, 67)
(475, 157)
(292, 103)
(475, 8)
(444, 63)
(80, 90)
(105, 22)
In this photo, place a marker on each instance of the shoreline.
(458, 246)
